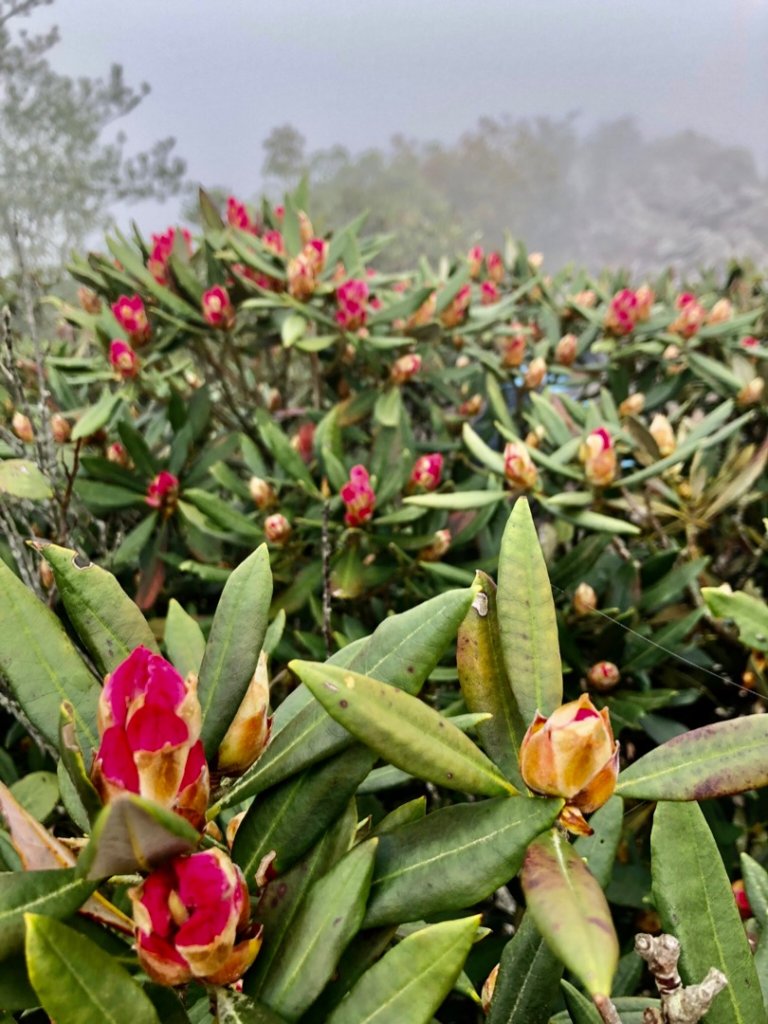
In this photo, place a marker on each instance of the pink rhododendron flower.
(192, 921)
(495, 267)
(163, 491)
(427, 471)
(217, 308)
(239, 217)
(149, 725)
(358, 497)
(691, 316)
(123, 359)
(130, 313)
(599, 457)
(352, 299)
(622, 312)
(489, 293)
(475, 260)
(162, 247)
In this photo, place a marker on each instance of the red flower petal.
(154, 896)
(151, 728)
(194, 767)
(116, 757)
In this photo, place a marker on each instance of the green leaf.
(749, 613)
(222, 513)
(41, 665)
(38, 793)
(234, 645)
(409, 983)
(53, 893)
(389, 407)
(453, 858)
(291, 817)
(16, 993)
(77, 982)
(234, 1008)
(484, 683)
(184, 640)
(527, 621)
(129, 552)
(21, 478)
(692, 894)
(756, 884)
(284, 454)
(329, 918)
(402, 729)
(137, 448)
(571, 912)
(590, 520)
(526, 984)
(97, 415)
(109, 623)
(598, 851)
(456, 501)
(581, 1009)
(134, 834)
(73, 764)
(482, 452)
(672, 585)
(715, 760)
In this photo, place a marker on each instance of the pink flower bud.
(163, 492)
(303, 441)
(489, 293)
(742, 900)
(358, 497)
(217, 308)
(475, 260)
(456, 310)
(159, 257)
(599, 457)
(603, 676)
(749, 342)
(566, 349)
(89, 301)
(352, 299)
(495, 266)
(632, 404)
(573, 755)
(691, 316)
(149, 728)
(519, 468)
(60, 428)
(584, 599)
(116, 453)
(22, 427)
(513, 347)
(535, 374)
(433, 552)
(472, 406)
(277, 529)
(130, 313)
(191, 918)
(427, 471)
(239, 217)
(248, 732)
(261, 491)
(123, 359)
(301, 278)
(406, 367)
(622, 312)
(663, 434)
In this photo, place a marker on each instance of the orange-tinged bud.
(513, 349)
(489, 985)
(47, 578)
(573, 755)
(263, 493)
(584, 599)
(306, 231)
(720, 312)
(519, 468)
(751, 393)
(435, 551)
(537, 371)
(277, 529)
(599, 457)
(586, 298)
(534, 437)
(475, 260)
(662, 433)
(472, 406)
(645, 299)
(406, 367)
(603, 676)
(89, 301)
(60, 428)
(22, 427)
(566, 349)
(632, 404)
(248, 733)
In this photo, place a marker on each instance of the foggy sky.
(224, 72)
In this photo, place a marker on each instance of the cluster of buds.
(405, 368)
(455, 312)
(566, 350)
(217, 307)
(149, 729)
(277, 529)
(427, 471)
(352, 300)
(123, 359)
(160, 255)
(433, 552)
(691, 316)
(599, 457)
(130, 313)
(192, 921)
(303, 270)
(663, 434)
(519, 468)
(573, 755)
(238, 216)
(603, 676)
(628, 308)
(535, 374)
(358, 497)
(163, 492)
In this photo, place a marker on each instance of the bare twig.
(607, 1010)
(679, 1005)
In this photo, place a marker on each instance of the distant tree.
(284, 156)
(60, 167)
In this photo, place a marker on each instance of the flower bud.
(472, 406)
(475, 260)
(306, 231)
(248, 732)
(116, 453)
(277, 529)
(89, 301)
(632, 404)
(671, 355)
(404, 368)
(622, 314)
(534, 437)
(239, 217)
(742, 900)
(645, 298)
(519, 468)
(303, 441)
(130, 313)
(489, 986)
(424, 314)
(463, 362)
(537, 371)
(586, 298)
(352, 300)
(21, 425)
(751, 393)
(192, 921)
(218, 310)
(603, 676)
(663, 434)
(163, 492)
(60, 428)
(513, 348)
(573, 755)
(45, 572)
(123, 359)
(720, 312)
(456, 311)
(584, 599)
(489, 293)
(690, 318)
(427, 471)
(535, 260)
(599, 457)
(566, 349)
(749, 342)
(441, 542)
(149, 728)
(261, 492)
(494, 265)
(358, 497)
(301, 278)
(273, 240)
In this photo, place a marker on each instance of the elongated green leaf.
(37, 793)
(234, 645)
(402, 729)
(222, 513)
(527, 621)
(749, 613)
(97, 416)
(73, 763)
(134, 834)
(53, 893)
(590, 520)
(291, 817)
(184, 640)
(715, 760)
(77, 982)
(483, 453)
(756, 884)
(527, 981)
(581, 1009)
(129, 552)
(453, 858)
(41, 665)
(234, 1008)
(284, 454)
(108, 621)
(457, 501)
(692, 894)
(408, 984)
(21, 478)
(402, 651)
(16, 993)
(484, 683)
(571, 912)
(329, 918)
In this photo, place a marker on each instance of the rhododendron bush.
(362, 632)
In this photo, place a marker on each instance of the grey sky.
(224, 72)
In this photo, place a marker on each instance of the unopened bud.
(46, 575)
(565, 351)
(435, 551)
(248, 732)
(584, 599)
(604, 676)
(751, 393)
(277, 529)
(537, 371)
(22, 427)
(663, 434)
(489, 985)
(263, 493)
(89, 301)
(60, 428)
(632, 404)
